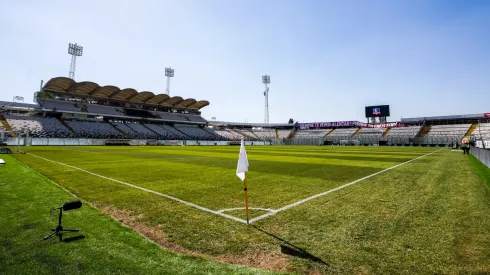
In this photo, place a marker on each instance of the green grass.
(481, 169)
(107, 247)
(429, 216)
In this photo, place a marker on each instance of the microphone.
(71, 205)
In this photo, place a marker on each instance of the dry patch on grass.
(271, 260)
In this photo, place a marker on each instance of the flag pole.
(246, 196)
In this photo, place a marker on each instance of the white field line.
(148, 190)
(335, 189)
(242, 208)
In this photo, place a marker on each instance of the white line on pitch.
(148, 190)
(241, 208)
(335, 189)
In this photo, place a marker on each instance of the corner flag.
(242, 166)
(241, 169)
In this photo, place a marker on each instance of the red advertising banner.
(486, 114)
(320, 125)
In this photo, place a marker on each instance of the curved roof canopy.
(83, 88)
(200, 104)
(124, 95)
(158, 99)
(65, 85)
(59, 84)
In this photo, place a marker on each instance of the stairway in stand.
(357, 132)
(425, 131)
(67, 126)
(6, 125)
(292, 134)
(329, 133)
(119, 130)
(387, 131)
(471, 130)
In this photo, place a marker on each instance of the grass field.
(429, 215)
(103, 246)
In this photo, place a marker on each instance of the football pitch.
(313, 209)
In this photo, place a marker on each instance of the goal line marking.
(219, 213)
(335, 189)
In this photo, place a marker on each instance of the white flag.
(242, 166)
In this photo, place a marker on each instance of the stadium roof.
(65, 85)
(249, 124)
(9, 104)
(453, 117)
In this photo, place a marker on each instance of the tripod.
(59, 228)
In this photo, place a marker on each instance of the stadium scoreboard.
(378, 111)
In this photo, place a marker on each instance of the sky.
(327, 59)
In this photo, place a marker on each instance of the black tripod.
(59, 228)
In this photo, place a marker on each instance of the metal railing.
(481, 154)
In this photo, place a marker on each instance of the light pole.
(169, 72)
(18, 99)
(266, 79)
(74, 50)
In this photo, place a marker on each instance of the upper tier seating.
(193, 118)
(74, 106)
(104, 110)
(178, 117)
(43, 127)
(60, 105)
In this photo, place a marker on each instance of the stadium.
(300, 175)
(85, 113)
(384, 170)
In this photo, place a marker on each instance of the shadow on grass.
(293, 250)
(73, 239)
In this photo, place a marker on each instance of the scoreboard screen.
(378, 111)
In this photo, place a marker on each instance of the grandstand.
(483, 131)
(194, 132)
(41, 127)
(370, 135)
(93, 129)
(283, 133)
(69, 109)
(312, 133)
(458, 130)
(265, 133)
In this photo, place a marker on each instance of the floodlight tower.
(169, 72)
(266, 79)
(18, 99)
(74, 50)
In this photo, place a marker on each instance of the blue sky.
(327, 59)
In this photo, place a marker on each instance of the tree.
(291, 121)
